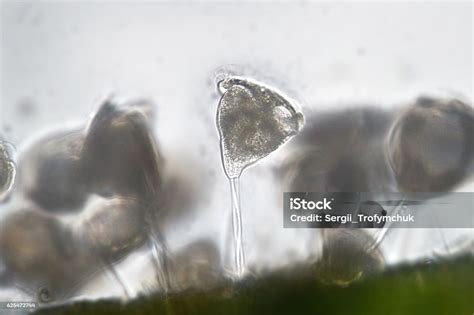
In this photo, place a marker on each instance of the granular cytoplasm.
(114, 229)
(99, 231)
(253, 121)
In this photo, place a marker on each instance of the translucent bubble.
(50, 172)
(7, 171)
(45, 295)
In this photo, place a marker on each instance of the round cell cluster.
(108, 173)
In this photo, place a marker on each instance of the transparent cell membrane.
(7, 170)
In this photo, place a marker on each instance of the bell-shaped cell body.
(253, 121)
